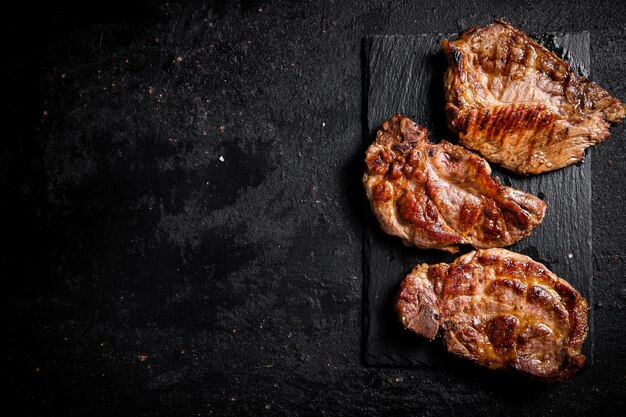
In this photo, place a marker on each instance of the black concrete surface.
(144, 275)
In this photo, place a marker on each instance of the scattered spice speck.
(142, 357)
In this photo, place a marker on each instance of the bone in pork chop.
(518, 104)
(440, 196)
(500, 309)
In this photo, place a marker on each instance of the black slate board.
(405, 76)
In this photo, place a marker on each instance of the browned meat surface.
(518, 104)
(440, 196)
(500, 309)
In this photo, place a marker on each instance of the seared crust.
(500, 309)
(440, 196)
(518, 104)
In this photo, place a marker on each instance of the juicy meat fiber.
(499, 309)
(518, 104)
(440, 196)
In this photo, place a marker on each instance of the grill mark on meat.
(518, 104)
(460, 280)
(440, 196)
(501, 331)
(382, 192)
(500, 309)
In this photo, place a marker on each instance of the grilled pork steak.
(518, 104)
(440, 196)
(499, 309)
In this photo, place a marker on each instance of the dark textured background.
(141, 275)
